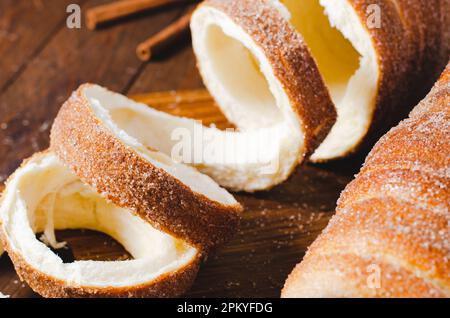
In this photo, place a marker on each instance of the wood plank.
(277, 226)
(25, 27)
(177, 71)
(71, 57)
(197, 104)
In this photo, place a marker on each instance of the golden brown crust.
(291, 61)
(412, 47)
(422, 189)
(101, 160)
(412, 237)
(395, 212)
(429, 133)
(349, 275)
(437, 100)
(169, 285)
(420, 143)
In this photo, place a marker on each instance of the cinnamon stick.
(160, 41)
(118, 9)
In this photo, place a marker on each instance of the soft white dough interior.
(232, 158)
(347, 62)
(45, 191)
(242, 82)
(241, 79)
(238, 74)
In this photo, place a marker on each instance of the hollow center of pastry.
(335, 56)
(82, 244)
(342, 49)
(74, 206)
(242, 81)
(44, 196)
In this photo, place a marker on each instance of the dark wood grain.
(277, 226)
(25, 29)
(70, 57)
(177, 71)
(196, 104)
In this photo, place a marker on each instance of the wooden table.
(43, 62)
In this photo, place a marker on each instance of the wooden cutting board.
(277, 226)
